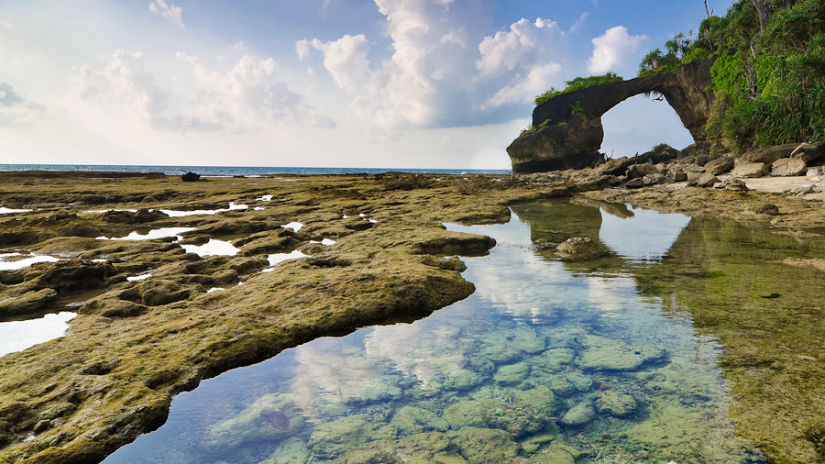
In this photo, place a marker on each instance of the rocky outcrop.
(567, 130)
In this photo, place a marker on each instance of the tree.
(762, 9)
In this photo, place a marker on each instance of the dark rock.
(661, 153)
(641, 170)
(677, 175)
(568, 129)
(190, 177)
(769, 209)
(614, 167)
(787, 167)
(69, 275)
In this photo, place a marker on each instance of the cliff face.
(569, 130)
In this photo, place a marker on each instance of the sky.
(316, 83)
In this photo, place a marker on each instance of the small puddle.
(153, 234)
(198, 212)
(213, 247)
(19, 335)
(4, 210)
(14, 261)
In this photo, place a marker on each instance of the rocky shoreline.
(137, 342)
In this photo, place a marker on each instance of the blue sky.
(350, 83)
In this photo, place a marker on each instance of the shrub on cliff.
(578, 84)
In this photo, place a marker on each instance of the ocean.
(234, 170)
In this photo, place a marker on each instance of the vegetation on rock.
(578, 84)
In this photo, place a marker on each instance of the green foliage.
(769, 86)
(579, 83)
(576, 108)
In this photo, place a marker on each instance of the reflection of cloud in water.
(647, 235)
(610, 294)
(429, 355)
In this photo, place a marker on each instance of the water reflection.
(551, 361)
(19, 335)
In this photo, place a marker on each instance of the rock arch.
(568, 128)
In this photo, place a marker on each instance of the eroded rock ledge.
(567, 130)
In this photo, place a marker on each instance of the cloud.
(444, 69)
(171, 12)
(247, 98)
(525, 89)
(612, 49)
(345, 58)
(506, 50)
(579, 22)
(15, 110)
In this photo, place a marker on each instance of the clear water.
(549, 361)
(19, 335)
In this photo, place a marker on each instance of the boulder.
(804, 189)
(614, 167)
(769, 209)
(641, 170)
(815, 171)
(787, 167)
(579, 414)
(719, 165)
(677, 175)
(768, 154)
(616, 404)
(705, 180)
(749, 169)
(190, 177)
(734, 184)
(581, 248)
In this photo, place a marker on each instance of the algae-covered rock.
(482, 445)
(463, 379)
(579, 414)
(269, 418)
(561, 386)
(540, 397)
(554, 359)
(411, 420)
(331, 439)
(556, 453)
(606, 354)
(528, 340)
(534, 443)
(512, 374)
(615, 403)
(28, 302)
(581, 248)
(580, 381)
(292, 451)
(423, 448)
(517, 418)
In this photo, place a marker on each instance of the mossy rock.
(332, 439)
(606, 354)
(616, 403)
(269, 418)
(516, 418)
(554, 359)
(410, 420)
(292, 451)
(540, 397)
(580, 414)
(482, 445)
(512, 374)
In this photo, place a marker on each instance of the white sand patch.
(19, 335)
(198, 212)
(294, 226)
(138, 278)
(153, 234)
(212, 248)
(13, 210)
(14, 261)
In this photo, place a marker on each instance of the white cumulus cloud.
(345, 58)
(525, 89)
(247, 98)
(611, 50)
(171, 12)
(507, 50)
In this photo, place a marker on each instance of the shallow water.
(200, 212)
(19, 335)
(163, 232)
(547, 360)
(213, 247)
(14, 261)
